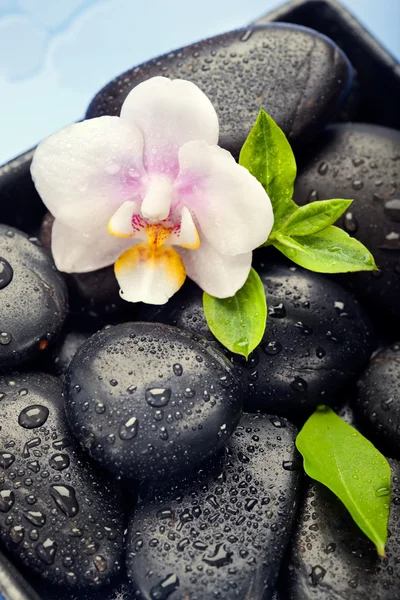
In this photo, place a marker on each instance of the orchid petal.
(218, 275)
(150, 275)
(187, 235)
(232, 208)
(120, 224)
(87, 170)
(169, 114)
(77, 252)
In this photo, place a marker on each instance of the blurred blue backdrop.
(55, 54)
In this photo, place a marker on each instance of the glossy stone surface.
(375, 68)
(33, 298)
(59, 516)
(147, 400)
(362, 162)
(298, 76)
(332, 558)
(317, 340)
(20, 204)
(222, 533)
(378, 400)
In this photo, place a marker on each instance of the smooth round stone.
(223, 532)
(317, 340)
(362, 162)
(297, 75)
(33, 298)
(146, 400)
(332, 558)
(59, 516)
(378, 400)
(96, 293)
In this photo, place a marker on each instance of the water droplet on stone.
(59, 462)
(129, 429)
(320, 352)
(277, 312)
(7, 500)
(33, 416)
(158, 396)
(272, 348)
(357, 184)
(299, 384)
(219, 558)
(34, 466)
(16, 534)
(165, 587)
(35, 517)
(6, 459)
(178, 369)
(323, 168)
(65, 499)
(247, 35)
(331, 547)
(100, 563)
(317, 574)
(6, 273)
(313, 196)
(391, 207)
(5, 338)
(47, 551)
(350, 222)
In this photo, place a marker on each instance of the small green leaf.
(268, 156)
(314, 217)
(331, 250)
(338, 456)
(239, 322)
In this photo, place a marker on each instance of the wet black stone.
(33, 302)
(378, 401)
(221, 534)
(362, 162)
(332, 558)
(20, 204)
(317, 340)
(375, 67)
(298, 76)
(147, 400)
(59, 516)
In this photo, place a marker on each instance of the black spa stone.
(362, 162)
(33, 298)
(317, 340)
(332, 559)
(222, 533)
(378, 400)
(147, 400)
(297, 75)
(60, 517)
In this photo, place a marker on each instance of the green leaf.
(314, 217)
(268, 156)
(331, 250)
(338, 456)
(239, 322)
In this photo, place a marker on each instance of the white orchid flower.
(153, 193)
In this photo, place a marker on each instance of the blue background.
(55, 54)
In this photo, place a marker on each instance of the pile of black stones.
(139, 458)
